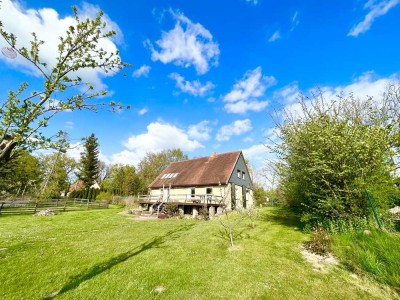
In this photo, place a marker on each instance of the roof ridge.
(175, 162)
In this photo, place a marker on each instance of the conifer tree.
(89, 162)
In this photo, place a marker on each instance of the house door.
(244, 196)
(165, 194)
(233, 196)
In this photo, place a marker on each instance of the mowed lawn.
(101, 254)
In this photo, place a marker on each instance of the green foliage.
(23, 115)
(122, 180)
(377, 254)
(203, 213)
(321, 241)
(330, 154)
(21, 175)
(89, 161)
(56, 170)
(355, 224)
(153, 163)
(259, 195)
(171, 210)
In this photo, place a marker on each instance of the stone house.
(214, 182)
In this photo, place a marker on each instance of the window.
(169, 175)
(239, 173)
(243, 175)
(192, 192)
(209, 194)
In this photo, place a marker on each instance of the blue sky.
(207, 75)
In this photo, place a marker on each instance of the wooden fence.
(57, 205)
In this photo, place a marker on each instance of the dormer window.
(239, 174)
(243, 175)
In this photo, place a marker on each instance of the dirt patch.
(320, 263)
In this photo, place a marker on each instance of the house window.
(243, 175)
(192, 192)
(239, 173)
(209, 194)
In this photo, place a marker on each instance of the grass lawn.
(101, 254)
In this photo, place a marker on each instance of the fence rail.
(57, 205)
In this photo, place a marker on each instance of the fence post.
(371, 203)
(36, 205)
(1, 207)
(65, 205)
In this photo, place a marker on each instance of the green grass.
(101, 254)
(378, 254)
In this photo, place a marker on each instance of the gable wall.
(240, 165)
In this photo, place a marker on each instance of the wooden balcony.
(188, 199)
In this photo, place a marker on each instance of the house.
(214, 182)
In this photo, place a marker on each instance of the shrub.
(203, 213)
(355, 224)
(171, 210)
(321, 241)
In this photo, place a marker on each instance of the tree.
(89, 164)
(259, 195)
(122, 181)
(332, 152)
(21, 175)
(56, 169)
(23, 115)
(153, 163)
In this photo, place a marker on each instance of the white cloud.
(255, 153)
(126, 157)
(90, 11)
(237, 127)
(200, 131)
(69, 125)
(159, 136)
(196, 88)
(142, 71)
(247, 93)
(366, 85)
(295, 20)
(288, 93)
(275, 36)
(185, 45)
(49, 26)
(376, 9)
(142, 111)
(248, 139)
(244, 106)
(74, 150)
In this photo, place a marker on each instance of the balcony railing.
(183, 198)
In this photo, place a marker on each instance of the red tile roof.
(210, 170)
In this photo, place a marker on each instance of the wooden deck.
(194, 203)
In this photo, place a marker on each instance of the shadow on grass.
(156, 242)
(282, 216)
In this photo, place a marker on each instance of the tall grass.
(378, 254)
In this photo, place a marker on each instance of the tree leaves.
(22, 118)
